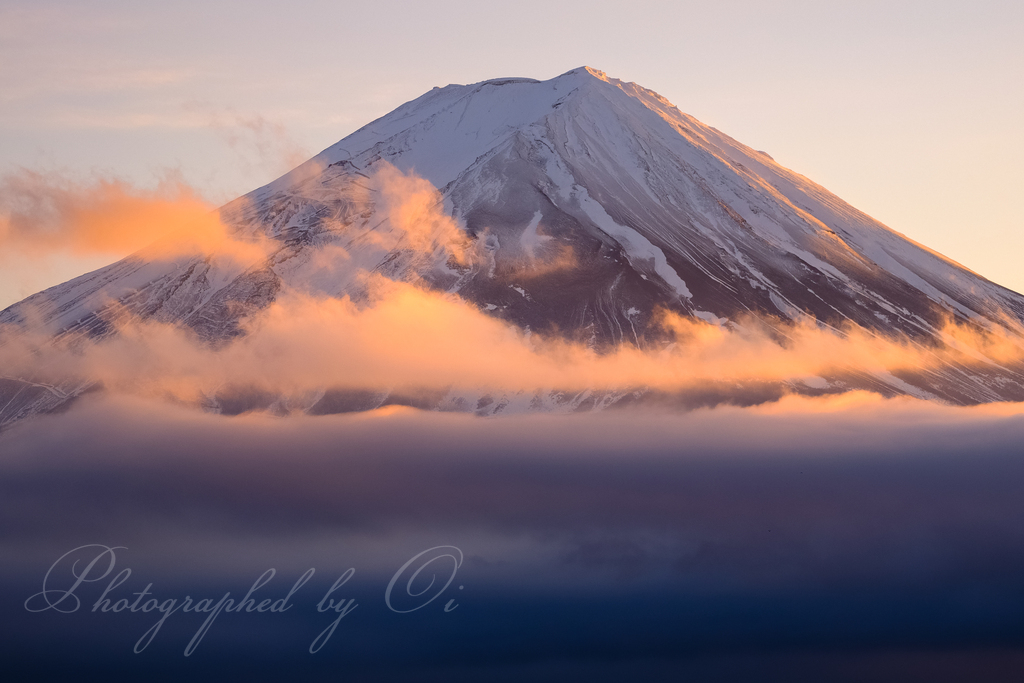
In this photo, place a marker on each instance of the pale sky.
(910, 111)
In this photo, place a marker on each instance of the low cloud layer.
(840, 470)
(838, 528)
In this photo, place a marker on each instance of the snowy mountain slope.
(593, 203)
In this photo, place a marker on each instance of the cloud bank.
(809, 538)
(409, 338)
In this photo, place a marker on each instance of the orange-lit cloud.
(44, 213)
(408, 338)
(413, 207)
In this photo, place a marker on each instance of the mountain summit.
(588, 205)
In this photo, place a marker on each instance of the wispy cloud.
(260, 143)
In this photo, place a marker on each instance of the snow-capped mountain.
(589, 204)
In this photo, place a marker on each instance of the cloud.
(414, 208)
(110, 431)
(716, 501)
(405, 338)
(44, 213)
(260, 143)
(840, 524)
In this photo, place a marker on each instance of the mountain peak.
(577, 76)
(587, 70)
